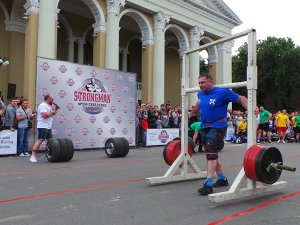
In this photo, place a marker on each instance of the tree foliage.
(278, 69)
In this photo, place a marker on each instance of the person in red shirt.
(144, 126)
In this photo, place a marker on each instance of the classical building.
(146, 37)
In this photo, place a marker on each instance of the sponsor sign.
(8, 142)
(95, 103)
(161, 136)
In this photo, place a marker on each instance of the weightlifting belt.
(215, 121)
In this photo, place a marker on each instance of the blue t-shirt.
(213, 106)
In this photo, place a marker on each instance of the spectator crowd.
(280, 126)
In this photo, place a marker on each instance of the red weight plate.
(173, 150)
(250, 161)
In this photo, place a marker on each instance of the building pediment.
(217, 8)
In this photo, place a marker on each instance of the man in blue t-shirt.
(212, 104)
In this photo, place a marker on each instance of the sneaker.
(21, 155)
(269, 141)
(32, 159)
(221, 183)
(283, 141)
(205, 190)
(257, 141)
(279, 141)
(27, 154)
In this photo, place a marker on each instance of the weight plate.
(249, 161)
(264, 171)
(173, 151)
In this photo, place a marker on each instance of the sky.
(269, 17)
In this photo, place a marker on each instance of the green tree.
(278, 65)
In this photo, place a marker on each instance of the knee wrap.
(212, 156)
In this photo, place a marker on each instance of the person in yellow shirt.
(241, 129)
(282, 122)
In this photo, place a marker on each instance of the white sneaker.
(32, 159)
(283, 141)
(27, 154)
(21, 155)
(279, 141)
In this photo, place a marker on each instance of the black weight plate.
(126, 146)
(71, 149)
(63, 150)
(112, 147)
(263, 161)
(53, 150)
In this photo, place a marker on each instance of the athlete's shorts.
(44, 134)
(281, 129)
(297, 130)
(213, 139)
(264, 126)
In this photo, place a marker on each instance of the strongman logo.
(78, 71)
(69, 131)
(113, 87)
(70, 82)
(113, 109)
(130, 140)
(92, 96)
(77, 143)
(62, 93)
(93, 73)
(92, 119)
(130, 120)
(212, 101)
(85, 131)
(106, 119)
(131, 79)
(70, 107)
(77, 119)
(119, 119)
(45, 66)
(92, 142)
(44, 92)
(112, 131)
(53, 80)
(62, 69)
(61, 118)
(125, 131)
(99, 131)
(163, 136)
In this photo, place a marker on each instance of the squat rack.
(179, 170)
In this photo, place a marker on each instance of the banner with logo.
(95, 103)
(8, 142)
(161, 136)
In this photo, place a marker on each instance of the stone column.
(160, 21)
(112, 33)
(80, 55)
(47, 29)
(31, 45)
(224, 65)
(124, 59)
(99, 44)
(71, 49)
(195, 35)
(212, 63)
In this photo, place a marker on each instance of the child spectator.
(144, 126)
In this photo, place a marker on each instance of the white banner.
(161, 136)
(8, 142)
(95, 103)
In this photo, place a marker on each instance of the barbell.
(264, 164)
(62, 150)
